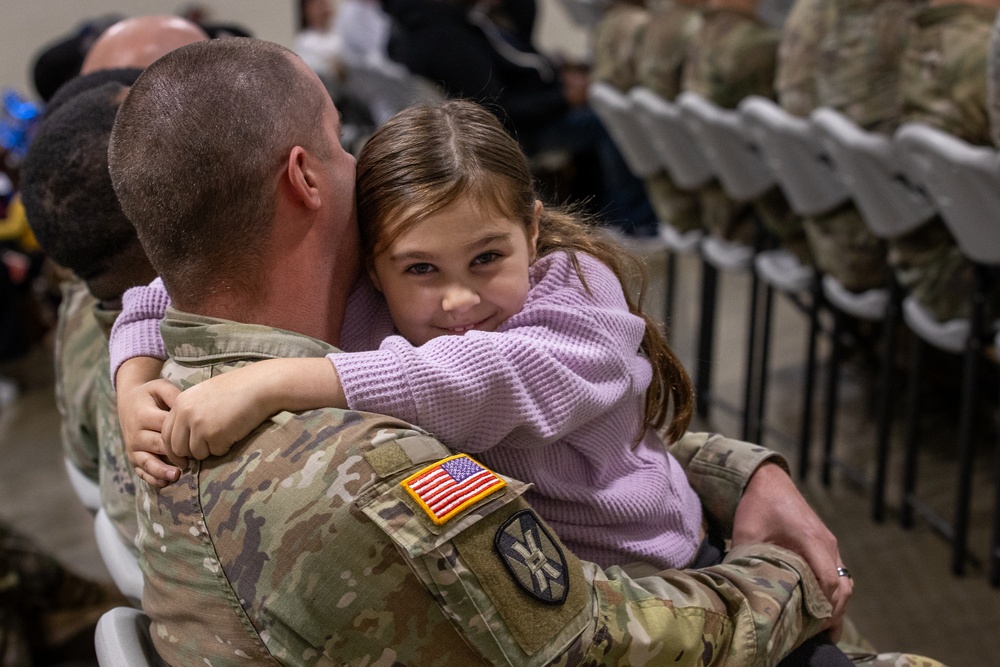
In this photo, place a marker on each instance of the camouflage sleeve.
(719, 469)
(753, 609)
(798, 53)
(76, 337)
(993, 82)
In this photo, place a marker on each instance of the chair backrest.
(618, 116)
(121, 561)
(387, 87)
(964, 182)
(795, 155)
(86, 489)
(676, 149)
(586, 13)
(868, 166)
(122, 638)
(727, 145)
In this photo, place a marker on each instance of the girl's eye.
(486, 257)
(420, 269)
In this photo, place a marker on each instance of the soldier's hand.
(772, 510)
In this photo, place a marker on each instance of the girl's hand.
(210, 417)
(141, 412)
(143, 401)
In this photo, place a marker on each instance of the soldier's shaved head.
(140, 41)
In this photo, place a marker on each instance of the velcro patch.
(533, 558)
(447, 487)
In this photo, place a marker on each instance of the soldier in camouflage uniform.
(659, 59)
(618, 34)
(75, 213)
(309, 543)
(733, 57)
(845, 54)
(944, 85)
(993, 82)
(73, 208)
(618, 44)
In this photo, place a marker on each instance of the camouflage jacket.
(92, 438)
(660, 55)
(732, 56)
(993, 82)
(79, 348)
(618, 35)
(846, 54)
(305, 546)
(944, 70)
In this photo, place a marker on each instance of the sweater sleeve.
(568, 357)
(136, 332)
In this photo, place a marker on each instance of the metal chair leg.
(765, 353)
(751, 354)
(884, 414)
(912, 430)
(966, 423)
(703, 373)
(832, 381)
(805, 438)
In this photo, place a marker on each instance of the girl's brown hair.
(427, 157)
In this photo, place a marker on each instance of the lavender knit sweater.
(553, 397)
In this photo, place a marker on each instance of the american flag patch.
(449, 486)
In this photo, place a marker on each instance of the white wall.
(27, 25)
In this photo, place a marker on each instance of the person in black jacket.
(459, 46)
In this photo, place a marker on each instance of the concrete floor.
(905, 596)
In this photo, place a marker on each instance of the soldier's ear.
(302, 180)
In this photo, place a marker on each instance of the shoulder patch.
(445, 488)
(533, 558)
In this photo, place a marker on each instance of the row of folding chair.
(897, 183)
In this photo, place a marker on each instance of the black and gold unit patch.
(533, 558)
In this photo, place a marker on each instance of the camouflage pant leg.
(672, 205)
(783, 223)
(724, 218)
(929, 266)
(842, 246)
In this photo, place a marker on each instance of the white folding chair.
(812, 187)
(890, 207)
(964, 182)
(616, 114)
(121, 561)
(680, 156)
(86, 489)
(743, 174)
(387, 87)
(122, 639)
(585, 13)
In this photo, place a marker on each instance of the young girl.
(514, 342)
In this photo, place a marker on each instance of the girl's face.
(456, 270)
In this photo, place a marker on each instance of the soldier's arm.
(753, 609)
(748, 495)
(719, 470)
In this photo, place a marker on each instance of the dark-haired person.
(300, 546)
(75, 215)
(74, 212)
